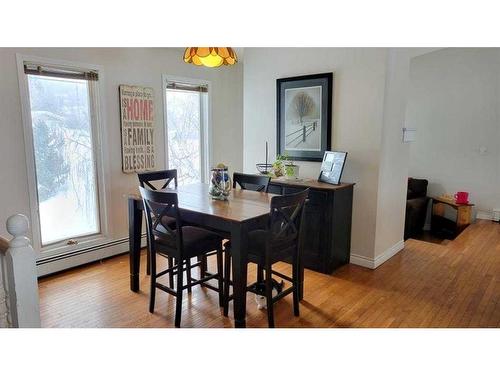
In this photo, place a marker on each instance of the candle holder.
(265, 168)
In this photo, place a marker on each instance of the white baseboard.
(362, 261)
(485, 215)
(114, 248)
(371, 263)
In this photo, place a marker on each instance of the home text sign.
(137, 125)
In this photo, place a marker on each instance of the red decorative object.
(462, 197)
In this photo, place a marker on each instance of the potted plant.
(283, 166)
(278, 166)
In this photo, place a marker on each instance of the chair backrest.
(167, 176)
(251, 182)
(158, 204)
(285, 219)
(416, 188)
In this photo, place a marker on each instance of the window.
(187, 129)
(62, 126)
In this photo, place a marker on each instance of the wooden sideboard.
(328, 217)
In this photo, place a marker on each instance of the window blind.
(50, 71)
(186, 87)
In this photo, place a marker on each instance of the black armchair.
(416, 206)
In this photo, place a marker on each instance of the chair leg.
(203, 267)
(152, 290)
(227, 279)
(148, 262)
(188, 274)
(204, 263)
(296, 286)
(178, 296)
(269, 297)
(171, 274)
(220, 279)
(260, 274)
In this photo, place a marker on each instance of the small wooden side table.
(442, 226)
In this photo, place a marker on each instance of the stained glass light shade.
(210, 56)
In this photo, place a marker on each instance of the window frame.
(96, 102)
(205, 119)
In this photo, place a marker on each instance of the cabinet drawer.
(317, 197)
(292, 190)
(274, 189)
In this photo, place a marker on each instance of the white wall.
(357, 118)
(393, 176)
(454, 103)
(394, 157)
(143, 66)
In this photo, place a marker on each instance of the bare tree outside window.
(64, 158)
(184, 121)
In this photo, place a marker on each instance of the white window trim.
(206, 124)
(101, 164)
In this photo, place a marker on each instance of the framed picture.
(332, 167)
(137, 128)
(304, 116)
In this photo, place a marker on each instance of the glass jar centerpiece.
(220, 183)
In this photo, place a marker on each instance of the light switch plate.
(409, 135)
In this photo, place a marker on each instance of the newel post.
(4, 311)
(20, 262)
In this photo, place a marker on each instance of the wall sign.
(137, 126)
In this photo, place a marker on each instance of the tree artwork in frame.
(304, 116)
(332, 167)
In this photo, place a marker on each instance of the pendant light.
(210, 56)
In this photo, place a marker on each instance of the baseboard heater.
(76, 253)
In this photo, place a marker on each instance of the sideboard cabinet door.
(326, 236)
(316, 229)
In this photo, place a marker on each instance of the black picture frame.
(325, 98)
(332, 167)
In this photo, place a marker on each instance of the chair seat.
(257, 248)
(168, 221)
(197, 241)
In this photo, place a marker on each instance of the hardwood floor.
(425, 285)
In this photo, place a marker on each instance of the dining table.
(243, 211)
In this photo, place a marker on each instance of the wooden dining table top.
(241, 205)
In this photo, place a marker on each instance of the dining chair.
(251, 181)
(248, 182)
(181, 243)
(147, 179)
(167, 176)
(280, 241)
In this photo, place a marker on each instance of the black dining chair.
(148, 179)
(166, 176)
(251, 182)
(248, 182)
(181, 243)
(280, 241)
